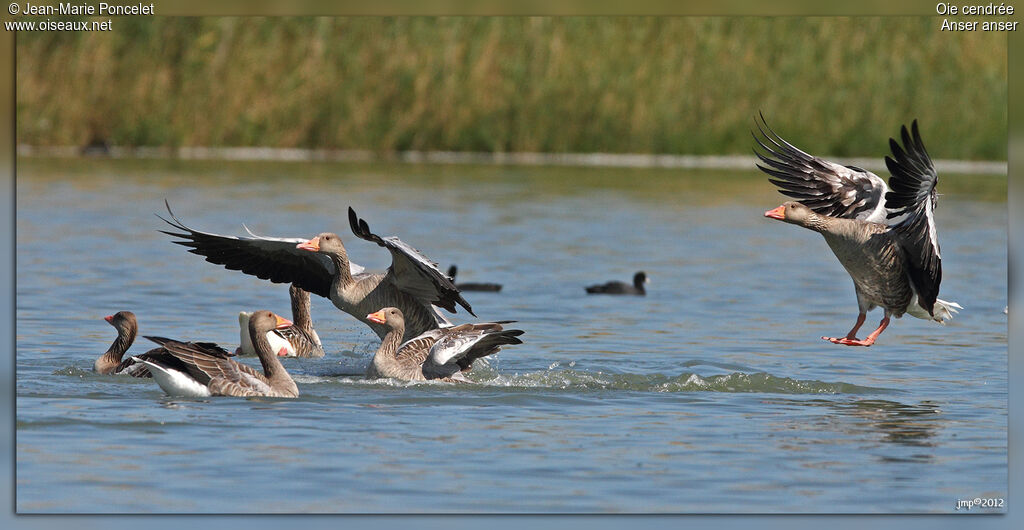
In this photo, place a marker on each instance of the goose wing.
(912, 201)
(465, 343)
(414, 352)
(206, 361)
(825, 187)
(268, 258)
(411, 271)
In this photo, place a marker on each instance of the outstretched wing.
(465, 343)
(268, 258)
(411, 271)
(913, 198)
(825, 187)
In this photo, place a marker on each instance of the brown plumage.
(321, 266)
(127, 329)
(203, 369)
(439, 354)
(297, 340)
(884, 236)
(873, 256)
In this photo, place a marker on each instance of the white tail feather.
(944, 310)
(941, 312)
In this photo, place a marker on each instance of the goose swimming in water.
(297, 340)
(884, 236)
(439, 354)
(204, 369)
(111, 361)
(127, 326)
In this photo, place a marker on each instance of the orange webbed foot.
(848, 341)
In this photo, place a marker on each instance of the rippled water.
(711, 394)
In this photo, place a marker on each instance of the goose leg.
(851, 339)
(852, 335)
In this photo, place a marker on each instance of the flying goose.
(297, 340)
(321, 266)
(884, 236)
(616, 287)
(438, 354)
(204, 369)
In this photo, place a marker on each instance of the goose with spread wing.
(884, 236)
(297, 340)
(439, 354)
(202, 369)
(321, 266)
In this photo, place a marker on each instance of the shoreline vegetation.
(499, 87)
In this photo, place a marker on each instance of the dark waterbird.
(884, 236)
(616, 287)
(473, 286)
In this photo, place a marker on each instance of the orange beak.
(377, 317)
(109, 318)
(311, 245)
(777, 213)
(282, 322)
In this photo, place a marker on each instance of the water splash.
(589, 381)
(735, 382)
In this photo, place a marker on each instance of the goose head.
(791, 212)
(389, 316)
(325, 243)
(260, 322)
(123, 321)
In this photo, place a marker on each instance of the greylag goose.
(321, 266)
(439, 354)
(111, 361)
(639, 279)
(203, 369)
(127, 328)
(473, 286)
(297, 340)
(884, 236)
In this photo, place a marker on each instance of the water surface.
(713, 393)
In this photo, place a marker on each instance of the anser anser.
(885, 238)
(297, 340)
(639, 279)
(473, 286)
(111, 361)
(203, 369)
(439, 354)
(321, 266)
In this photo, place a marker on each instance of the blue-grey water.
(712, 394)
